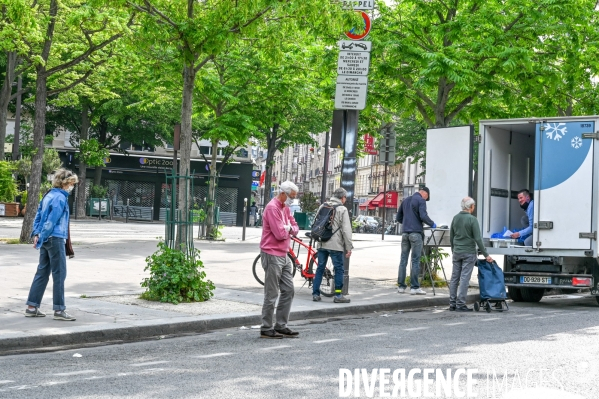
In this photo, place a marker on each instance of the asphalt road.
(549, 350)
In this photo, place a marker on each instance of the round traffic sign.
(366, 31)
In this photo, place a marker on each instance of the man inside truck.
(525, 235)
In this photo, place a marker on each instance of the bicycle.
(327, 287)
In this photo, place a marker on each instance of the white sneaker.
(401, 290)
(417, 291)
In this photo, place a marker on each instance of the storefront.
(140, 182)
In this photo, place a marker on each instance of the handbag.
(68, 247)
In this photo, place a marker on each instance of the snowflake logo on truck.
(555, 131)
(576, 142)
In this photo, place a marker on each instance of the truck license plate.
(535, 280)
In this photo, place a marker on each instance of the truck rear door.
(563, 185)
(449, 170)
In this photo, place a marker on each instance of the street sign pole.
(325, 170)
(348, 174)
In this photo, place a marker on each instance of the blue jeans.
(414, 242)
(52, 260)
(323, 257)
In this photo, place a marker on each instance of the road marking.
(149, 363)
(277, 347)
(75, 373)
(454, 324)
(213, 355)
(494, 318)
(327, 340)
(372, 335)
(415, 328)
(6, 381)
(523, 315)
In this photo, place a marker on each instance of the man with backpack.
(411, 214)
(332, 229)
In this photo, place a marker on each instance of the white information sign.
(353, 63)
(350, 92)
(358, 4)
(350, 45)
(2, 210)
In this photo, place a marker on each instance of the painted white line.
(524, 315)
(149, 363)
(51, 383)
(214, 355)
(372, 335)
(415, 328)
(492, 319)
(276, 347)
(75, 373)
(326, 340)
(454, 324)
(6, 381)
(19, 387)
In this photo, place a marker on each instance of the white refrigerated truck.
(557, 160)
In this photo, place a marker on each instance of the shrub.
(98, 191)
(176, 277)
(8, 187)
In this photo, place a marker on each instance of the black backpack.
(322, 228)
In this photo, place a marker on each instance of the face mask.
(525, 205)
(289, 201)
(70, 189)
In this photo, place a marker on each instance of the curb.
(147, 330)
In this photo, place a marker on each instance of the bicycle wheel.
(259, 271)
(327, 286)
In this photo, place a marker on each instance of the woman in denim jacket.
(50, 231)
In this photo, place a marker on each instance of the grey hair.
(340, 193)
(467, 203)
(287, 187)
(63, 176)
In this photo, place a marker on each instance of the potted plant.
(8, 190)
(99, 203)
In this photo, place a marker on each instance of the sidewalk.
(103, 279)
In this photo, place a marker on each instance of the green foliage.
(98, 191)
(92, 152)
(309, 202)
(176, 277)
(51, 161)
(198, 215)
(8, 186)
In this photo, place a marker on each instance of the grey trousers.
(278, 277)
(463, 264)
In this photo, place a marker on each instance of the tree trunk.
(271, 147)
(98, 175)
(39, 131)
(5, 93)
(210, 228)
(189, 75)
(39, 128)
(83, 135)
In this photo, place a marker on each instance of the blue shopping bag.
(490, 280)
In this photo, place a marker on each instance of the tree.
(449, 59)
(295, 100)
(199, 31)
(77, 39)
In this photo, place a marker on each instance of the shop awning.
(366, 205)
(377, 200)
(385, 200)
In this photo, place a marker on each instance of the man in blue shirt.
(525, 235)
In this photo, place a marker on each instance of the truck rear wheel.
(515, 294)
(532, 294)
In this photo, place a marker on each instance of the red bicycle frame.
(311, 255)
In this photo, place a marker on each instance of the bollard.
(245, 210)
(127, 212)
